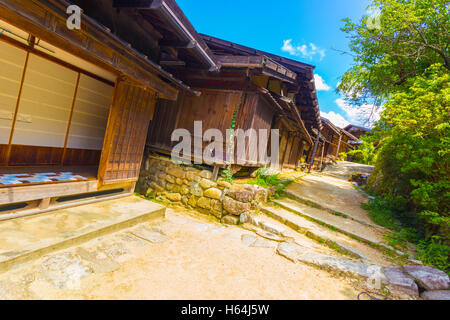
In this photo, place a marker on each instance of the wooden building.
(75, 105)
(254, 90)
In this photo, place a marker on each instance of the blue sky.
(297, 29)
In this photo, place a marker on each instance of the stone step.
(29, 238)
(303, 226)
(375, 277)
(349, 227)
(314, 204)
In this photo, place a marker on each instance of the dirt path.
(190, 258)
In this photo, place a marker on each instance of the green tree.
(411, 36)
(402, 63)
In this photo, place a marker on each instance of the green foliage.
(404, 64)
(228, 176)
(413, 158)
(412, 36)
(434, 253)
(365, 153)
(266, 177)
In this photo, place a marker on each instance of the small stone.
(185, 200)
(233, 220)
(170, 179)
(156, 187)
(184, 189)
(196, 189)
(186, 182)
(150, 192)
(179, 181)
(436, 295)
(428, 277)
(177, 172)
(205, 174)
(213, 193)
(190, 176)
(216, 207)
(206, 184)
(204, 203)
(224, 184)
(170, 186)
(162, 176)
(245, 217)
(174, 197)
(192, 201)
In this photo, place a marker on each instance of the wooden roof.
(306, 97)
(180, 42)
(330, 125)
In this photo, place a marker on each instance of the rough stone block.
(213, 193)
(196, 189)
(436, 295)
(240, 195)
(399, 281)
(206, 184)
(204, 203)
(428, 277)
(235, 207)
(229, 219)
(205, 174)
(177, 172)
(224, 184)
(174, 196)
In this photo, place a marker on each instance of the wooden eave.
(348, 134)
(176, 22)
(330, 125)
(46, 20)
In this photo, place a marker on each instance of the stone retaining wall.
(193, 188)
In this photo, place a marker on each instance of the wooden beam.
(46, 20)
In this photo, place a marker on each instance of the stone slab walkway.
(349, 226)
(351, 246)
(183, 256)
(27, 238)
(331, 193)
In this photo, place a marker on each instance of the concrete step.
(28, 238)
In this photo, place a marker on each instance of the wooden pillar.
(321, 158)
(339, 145)
(313, 154)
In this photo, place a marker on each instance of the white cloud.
(335, 118)
(364, 115)
(320, 84)
(305, 51)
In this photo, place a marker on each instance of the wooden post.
(321, 158)
(339, 145)
(215, 173)
(313, 154)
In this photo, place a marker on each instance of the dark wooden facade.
(123, 53)
(265, 93)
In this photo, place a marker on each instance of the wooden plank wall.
(129, 118)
